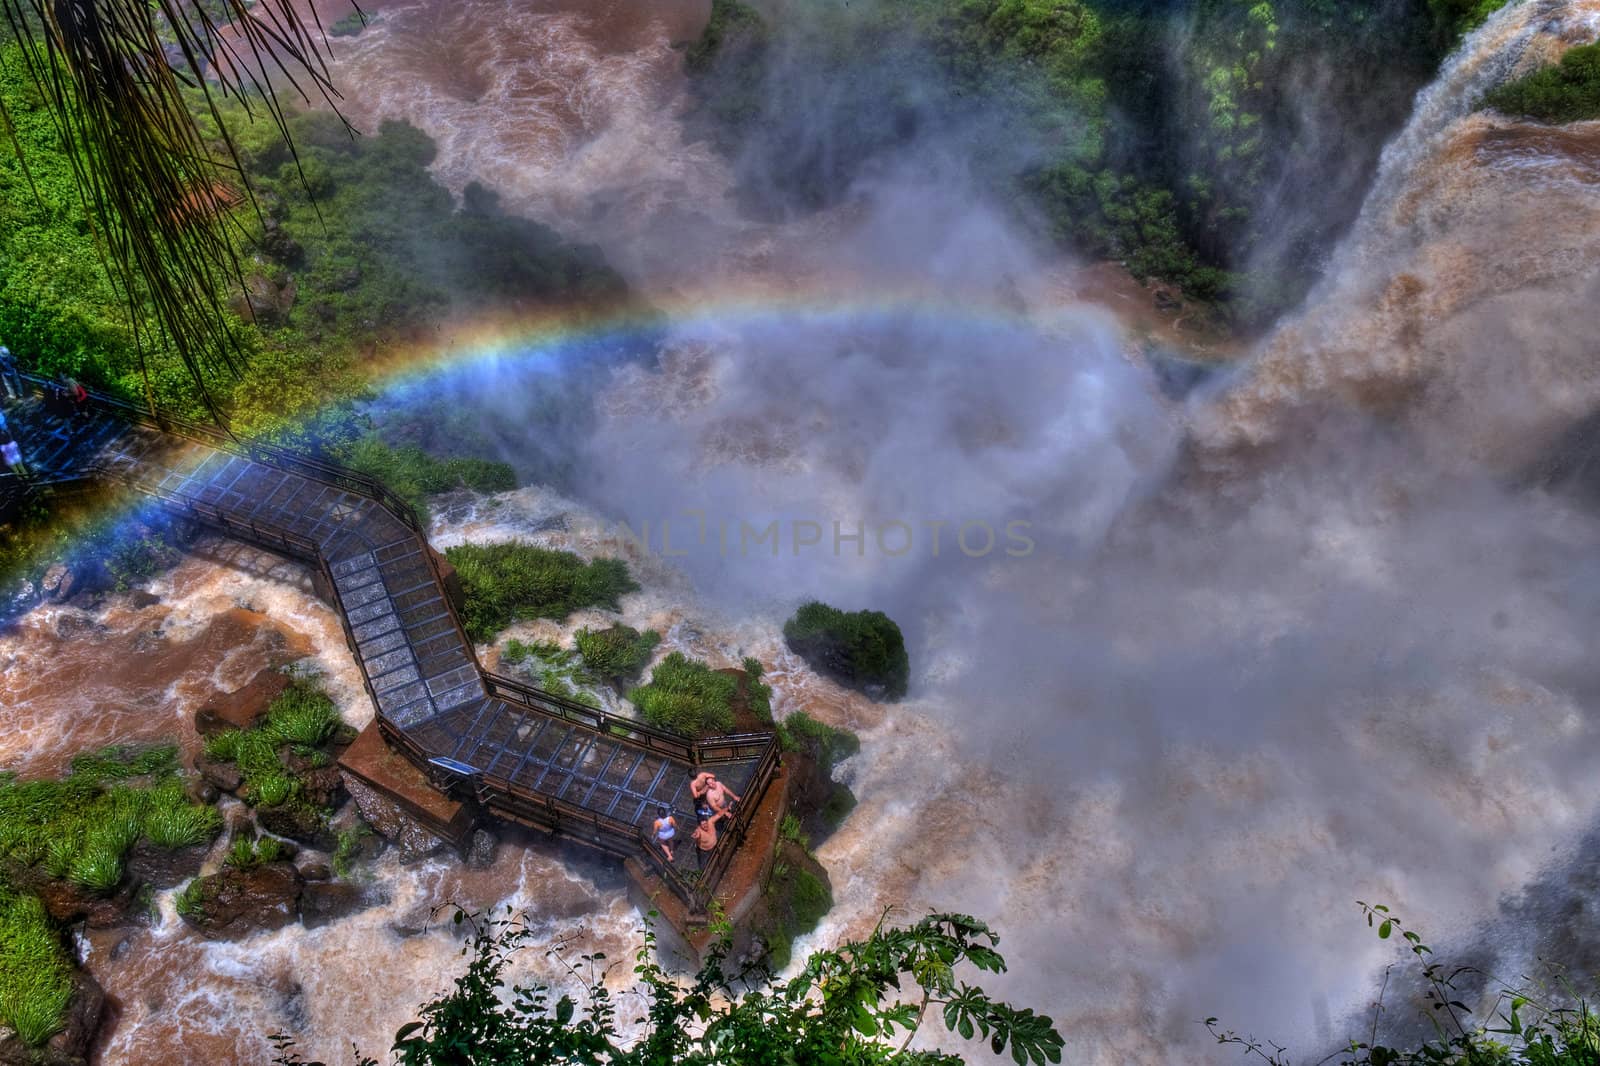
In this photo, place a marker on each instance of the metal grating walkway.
(533, 755)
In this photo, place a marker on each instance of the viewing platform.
(486, 744)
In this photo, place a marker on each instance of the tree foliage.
(862, 648)
(1521, 1024)
(686, 696)
(1566, 92)
(504, 583)
(864, 1002)
(122, 81)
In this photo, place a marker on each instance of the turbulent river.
(1305, 637)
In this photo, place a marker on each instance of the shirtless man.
(705, 837)
(722, 797)
(698, 789)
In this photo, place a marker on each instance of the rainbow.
(524, 339)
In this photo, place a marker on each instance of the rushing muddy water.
(1291, 644)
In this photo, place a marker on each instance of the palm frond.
(114, 75)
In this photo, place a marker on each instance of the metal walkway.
(519, 752)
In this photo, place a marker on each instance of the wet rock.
(201, 791)
(139, 599)
(419, 918)
(316, 871)
(323, 786)
(224, 776)
(67, 903)
(482, 849)
(387, 820)
(164, 867)
(242, 708)
(325, 902)
(82, 1023)
(233, 904)
(58, 583)
(298, 821)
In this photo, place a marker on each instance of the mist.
(1241, 679)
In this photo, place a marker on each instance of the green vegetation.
(1454, 19)
(827, 744)
(1566, 92)
(246, 852)
(1159, 135)
(617, 654)
(686, 696)
(188, 901)
(298, 730)
(511, 582)
(349, 26)
(844, 1007)
(862, 648)
(35, 970)
(348, 848)
(413, 474)
(81, 828)
(383, 252)
(555, 669)
(1526, 1022)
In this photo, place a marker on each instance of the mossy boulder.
(236, 903)
(862, 649)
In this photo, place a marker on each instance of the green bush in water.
(302, 715)
(1566, 92)
(182, 826)
(35, 971)
(617, 653)
(505, 583)
(688, 697)
(862, 648)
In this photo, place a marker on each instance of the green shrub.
(414, 475)
(272, 791)
(348, 847)
(188, 901)
(688, 697)
(862, 648)
(302, 715)
(182, 826)
(118, 762)
(505, 583)
(97, 867)
(35, 971)
(223, 746)
(1566, 92)
(827, 744)
(618, 653)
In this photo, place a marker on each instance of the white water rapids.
(1293, 645)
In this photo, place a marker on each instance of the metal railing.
(492, 793)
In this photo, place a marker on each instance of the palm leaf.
(111, 77)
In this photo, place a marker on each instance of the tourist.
(11, 454)
(705, 838)
(666, 828)
(698, 789)
(56, 401)
(9, 375)
(79, 397)
(721, 797)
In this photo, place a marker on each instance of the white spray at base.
(1166, 754)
